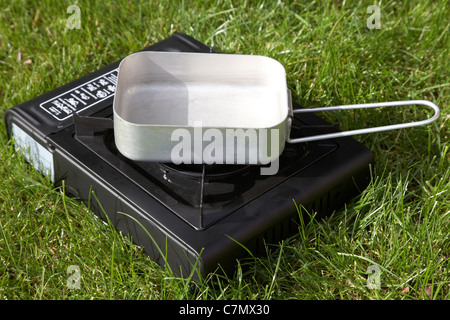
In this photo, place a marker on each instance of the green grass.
(400, 223)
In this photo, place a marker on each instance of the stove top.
(189, 217)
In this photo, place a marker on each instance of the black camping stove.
(189, 216)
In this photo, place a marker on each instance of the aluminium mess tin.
(213, 108)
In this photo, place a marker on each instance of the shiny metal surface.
(397, 126)
(204, 95)
(212, 108)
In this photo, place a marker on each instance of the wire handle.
(367, 130)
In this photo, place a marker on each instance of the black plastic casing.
(323, 187)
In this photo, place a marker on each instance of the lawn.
(395, 233)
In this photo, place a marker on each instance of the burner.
(190, 186)
(212, 185)
(197, 216)
(201, 194)
(209, 172)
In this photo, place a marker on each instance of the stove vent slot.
(289, 226)
(278, 232)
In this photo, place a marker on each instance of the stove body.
(194, 218)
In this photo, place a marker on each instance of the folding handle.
(367, 130)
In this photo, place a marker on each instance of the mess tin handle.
(367, 130)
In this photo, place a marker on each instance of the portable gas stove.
(193, 217)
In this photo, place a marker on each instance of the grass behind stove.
(400, 223)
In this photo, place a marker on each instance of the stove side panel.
(273, 217)
(105, 195)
